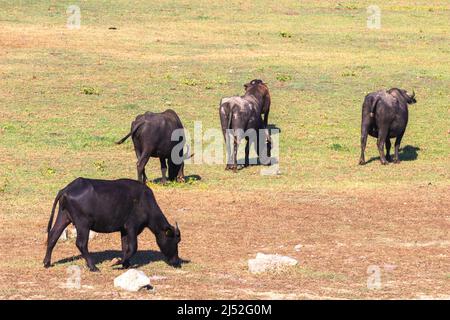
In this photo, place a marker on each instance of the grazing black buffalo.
(385, 116)
(111, 206)
(152, 135)
(241, 116)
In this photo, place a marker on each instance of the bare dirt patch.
(403, 232)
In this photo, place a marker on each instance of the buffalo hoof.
(94, 269)
(362, 162)
(396, 161)
(229, 167)
(384, 163)
(181, 180)
(47, 265)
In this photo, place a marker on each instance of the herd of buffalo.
(129, 206)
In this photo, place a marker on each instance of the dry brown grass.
(341, 234)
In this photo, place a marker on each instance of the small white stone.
(298, 247)
(266, 262)
(133, 280)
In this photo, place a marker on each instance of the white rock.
(298, 247)
(266, 262)
(132, 280)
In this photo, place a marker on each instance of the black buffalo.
(124, 206)
(152, 135)
(241, 116)
(385, 116)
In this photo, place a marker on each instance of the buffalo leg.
(266, 119)
(388, 149)
(82, 245)
(364, 134)
(130, 250)
(229, 154)
(247, 152)
(257, 149)
(180, 175)
(235, 152)
(138, 156)
(141, 163)
(163, 170)
(398, 140)
(382, 136)
(124, 241)
(62, 221)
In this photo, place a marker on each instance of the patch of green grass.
(47, 172)
(349, 73)
(4, 185)
(285, 34)
(90, 91)
(284, 77)
(338, 147)
(205, 54)
(190, 82)
(100, 165)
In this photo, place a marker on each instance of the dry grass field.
(319, 60)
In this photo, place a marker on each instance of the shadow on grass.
(407, 153)
(187, 179)
(254, 162)
(140, 259)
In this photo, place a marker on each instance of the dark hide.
(385, 116)
(243, 113)
(124, 206)
(152, 137)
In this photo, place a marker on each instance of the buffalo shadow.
(187, 179)
(254, 161)
(406, 153)
(140, 259)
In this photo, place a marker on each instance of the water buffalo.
(152, 135)
(385, 116)
(111, 206)
(241, 115)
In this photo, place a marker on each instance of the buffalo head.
(176, 166)
(403, 95)
(167, 241)
(253, 83)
